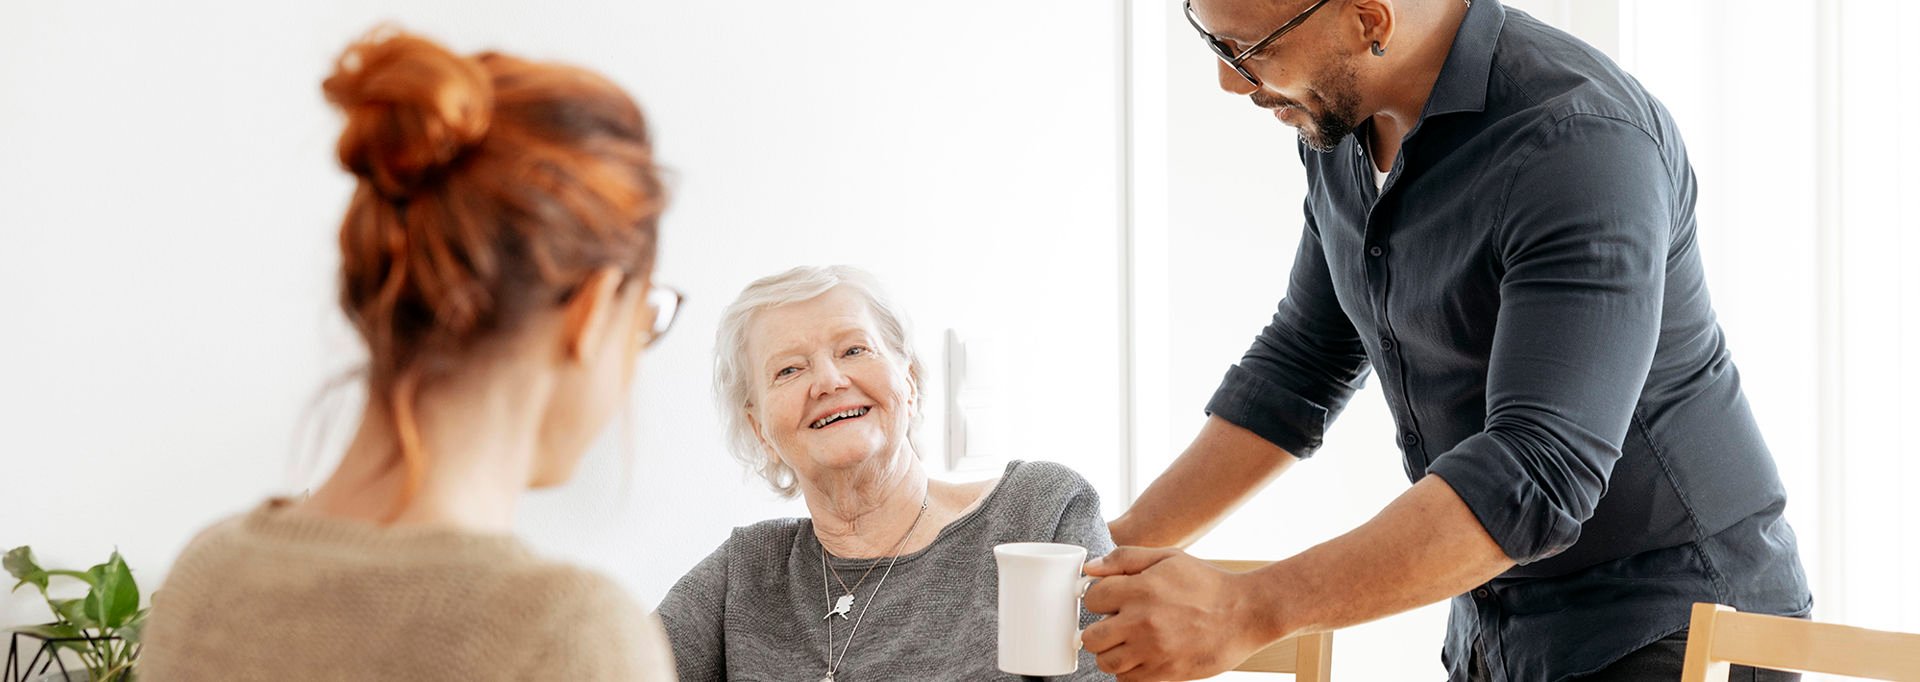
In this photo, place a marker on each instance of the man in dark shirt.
(1499, 226)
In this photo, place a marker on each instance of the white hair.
(732, 369)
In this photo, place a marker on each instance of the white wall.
(168, 203)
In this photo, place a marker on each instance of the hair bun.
(412, 108)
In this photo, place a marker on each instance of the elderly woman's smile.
(841, 415)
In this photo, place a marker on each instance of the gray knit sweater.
(753, 609)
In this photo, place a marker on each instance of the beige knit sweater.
(273, 595)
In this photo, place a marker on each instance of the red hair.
(489, 186)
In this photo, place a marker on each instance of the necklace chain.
(863, 576)
(833, 664)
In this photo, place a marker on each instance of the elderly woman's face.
(829, 394)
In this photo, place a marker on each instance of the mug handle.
(1080, 591)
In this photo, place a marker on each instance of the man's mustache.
(1269, 101)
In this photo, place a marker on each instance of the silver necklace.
(844, 604)
(857, 583)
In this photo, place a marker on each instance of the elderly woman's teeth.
(837, 416)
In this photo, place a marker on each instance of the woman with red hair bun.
(496, 257)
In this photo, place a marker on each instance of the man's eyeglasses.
(665, 302)
(1237, 61)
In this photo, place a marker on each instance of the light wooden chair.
(1308, 657)
(1721, 636)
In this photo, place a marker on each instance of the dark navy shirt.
(1528, 290)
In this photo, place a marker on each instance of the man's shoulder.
(1542, 76)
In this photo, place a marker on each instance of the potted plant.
(102, 629)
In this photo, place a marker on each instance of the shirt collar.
(1462, 85)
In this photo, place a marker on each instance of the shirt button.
(1376, 252)
(1482, 593)
(1386, 343)
(1410, 438)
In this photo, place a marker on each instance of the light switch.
(974, 426)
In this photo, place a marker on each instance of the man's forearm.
(1223, 467)
(1424, 547)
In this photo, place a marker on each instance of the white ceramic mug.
(1040, 589)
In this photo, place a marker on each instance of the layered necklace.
(844, 605)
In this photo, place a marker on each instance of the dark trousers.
(1660, 660)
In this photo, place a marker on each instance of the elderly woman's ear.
(911, 370)
(754, 423)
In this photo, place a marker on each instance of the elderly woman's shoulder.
(1041, 475)
(1040, 490)
(769, 535)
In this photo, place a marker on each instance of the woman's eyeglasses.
(665, 302)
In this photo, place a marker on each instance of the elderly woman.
(892, 577)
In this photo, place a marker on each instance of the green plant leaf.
(20, 564)
(114, 597)
(135, 627)
(48, 630)
(74, 612)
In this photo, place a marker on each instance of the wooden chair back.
(1721, 636)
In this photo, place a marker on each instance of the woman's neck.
(479, 439)
(868, 514)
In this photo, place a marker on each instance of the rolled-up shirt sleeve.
(1582, 248)
(1303, 367)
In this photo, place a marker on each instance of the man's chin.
(1315, 141)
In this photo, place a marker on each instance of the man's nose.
(1232, 81)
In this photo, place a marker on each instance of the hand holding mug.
(1172, 616)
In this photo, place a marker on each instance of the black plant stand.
(21, 669)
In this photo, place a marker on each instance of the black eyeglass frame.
(1238, 62)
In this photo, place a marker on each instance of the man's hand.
(1176, 617)
(1171, 616)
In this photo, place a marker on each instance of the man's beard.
(1339, 106)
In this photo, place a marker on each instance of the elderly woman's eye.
(858, 350)
(786, 371)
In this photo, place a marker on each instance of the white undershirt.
(1379, 176)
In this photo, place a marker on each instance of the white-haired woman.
(892, 576)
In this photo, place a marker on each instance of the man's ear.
(1377, 22)
(590, 314)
